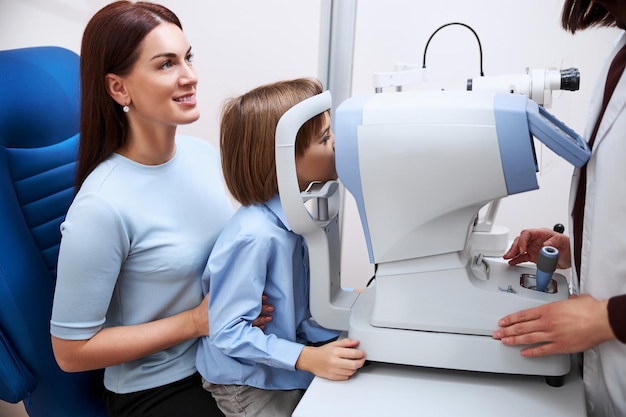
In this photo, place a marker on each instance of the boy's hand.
(337, 361)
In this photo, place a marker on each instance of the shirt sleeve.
(617, 316)
(93, 246)
(237, 271)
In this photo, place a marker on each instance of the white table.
(397, 390)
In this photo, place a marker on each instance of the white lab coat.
(603, 259)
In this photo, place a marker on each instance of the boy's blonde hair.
(247, 131)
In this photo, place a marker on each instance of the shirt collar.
(274, 205)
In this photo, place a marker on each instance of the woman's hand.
(265, 316)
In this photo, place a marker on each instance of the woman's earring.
(125, 109)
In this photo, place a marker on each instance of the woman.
(595, 321)
(147, 212)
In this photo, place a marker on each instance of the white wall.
(239, 44)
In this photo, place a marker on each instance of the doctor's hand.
(337, 360)
(567, 326)
(527, 245)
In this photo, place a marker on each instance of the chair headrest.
(39, 96)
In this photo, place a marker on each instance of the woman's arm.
(116, 345)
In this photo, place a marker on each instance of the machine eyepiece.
(570, 79)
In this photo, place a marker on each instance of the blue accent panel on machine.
(560, 138)
(517, 151)
(348, 118)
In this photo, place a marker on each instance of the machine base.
(444, 350)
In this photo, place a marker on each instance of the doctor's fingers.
(514, 250)
(526, 238)
(521, 334)
(558, 343)
(543, 349)
(559, 241)
(532, 240)
(523, 249)
(521, 316)
(518, 258)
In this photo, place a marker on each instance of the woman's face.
(162, 83)
(318, 161)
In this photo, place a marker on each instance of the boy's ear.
(117, 89)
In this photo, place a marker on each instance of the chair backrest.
(39, 119)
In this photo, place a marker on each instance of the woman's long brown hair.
(111, 45)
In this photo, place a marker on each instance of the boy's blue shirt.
(256, 254)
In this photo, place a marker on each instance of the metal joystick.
(546, 264)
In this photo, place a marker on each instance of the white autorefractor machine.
(420, 165)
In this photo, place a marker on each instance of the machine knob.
(546, 264)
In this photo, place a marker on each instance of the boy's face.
(318, 161)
